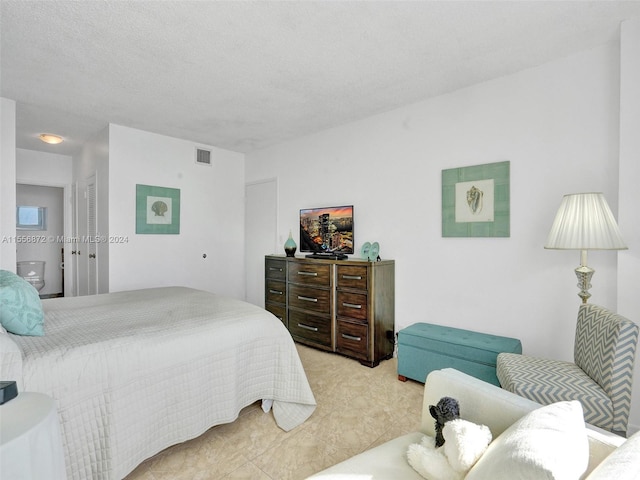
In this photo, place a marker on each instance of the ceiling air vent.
(203, 157)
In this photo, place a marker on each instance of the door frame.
(91, 245)
(67, 212)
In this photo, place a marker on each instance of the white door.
(92, 232)
(71, 259)
(261, 219)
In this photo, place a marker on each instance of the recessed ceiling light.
(50, 138)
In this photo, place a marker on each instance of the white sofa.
(486, 404)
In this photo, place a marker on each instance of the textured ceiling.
(244, 75)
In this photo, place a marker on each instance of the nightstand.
(30, 439)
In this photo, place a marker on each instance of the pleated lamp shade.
(584, 222)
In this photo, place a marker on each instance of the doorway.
(43, 240)
(261, 221)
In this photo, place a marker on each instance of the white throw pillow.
(548, 443)
(430, 462)
(465, 443)
(622, 464)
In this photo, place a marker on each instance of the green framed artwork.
(157, 210)
(475, 201)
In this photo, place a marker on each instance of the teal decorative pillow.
(20, 306)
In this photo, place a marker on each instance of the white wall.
(211, 217)
(558, 126)
(42, 168)
(51, 170)
(629, 260)
(7, 184)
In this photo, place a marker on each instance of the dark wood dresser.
(343, 306)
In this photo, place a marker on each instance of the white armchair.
(481, 403)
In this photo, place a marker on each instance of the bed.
(135, 372)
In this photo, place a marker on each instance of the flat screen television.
(327, 229)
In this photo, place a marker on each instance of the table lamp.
(584, 222)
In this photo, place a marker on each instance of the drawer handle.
(307, 299)
(307, 327)
(309, 274)
(351, 337)
(352, 277)
(277, 292)
(275, 269)
(351, 305)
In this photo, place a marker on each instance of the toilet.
(32, 272)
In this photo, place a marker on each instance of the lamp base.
(584, 275)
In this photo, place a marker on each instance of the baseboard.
(51, 295)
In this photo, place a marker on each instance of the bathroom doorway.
(43, 240)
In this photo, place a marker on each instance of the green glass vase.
(290, 246)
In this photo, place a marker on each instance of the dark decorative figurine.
(447, 409)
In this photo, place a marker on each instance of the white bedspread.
(135, 372)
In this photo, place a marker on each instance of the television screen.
(328, 229)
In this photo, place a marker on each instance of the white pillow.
(465, 443)
(621, 464)
(430, 462)
(548, 443)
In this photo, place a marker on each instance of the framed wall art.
(157, 210)
(475, 201)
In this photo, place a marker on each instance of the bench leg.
(402, 378)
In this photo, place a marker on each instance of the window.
(31, 218)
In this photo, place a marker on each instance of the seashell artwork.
(474, 200)
(159, 208)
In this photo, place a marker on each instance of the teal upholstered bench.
(424, 347)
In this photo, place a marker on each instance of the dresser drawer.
(352, 305)
(275, 291)
(310, 274)
(275, 269)
(310, 298)
(352, 339)
(279, 311)
(314, 328)
(352, 277)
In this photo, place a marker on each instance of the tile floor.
(358, 407)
